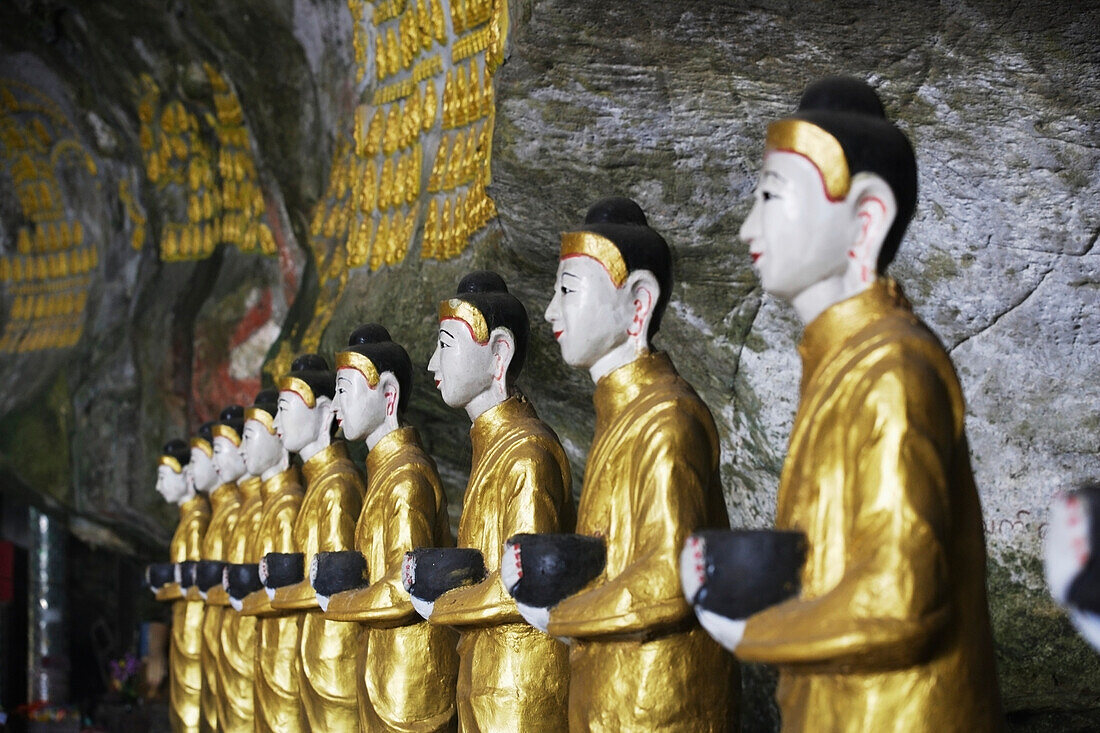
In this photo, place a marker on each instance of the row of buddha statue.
(311, 593)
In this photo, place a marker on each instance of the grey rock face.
(663, 102)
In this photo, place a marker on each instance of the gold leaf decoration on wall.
(417, 160)
(199, 159)
(46, 271)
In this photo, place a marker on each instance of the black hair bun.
(616, 210)
(178, 450)
(206, 431)
(231, 412)
(481, 281)
(266, 397)
(309, 362)
(369, 333)
(842, 94)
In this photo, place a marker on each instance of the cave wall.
(664, 102)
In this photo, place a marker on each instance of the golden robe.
(407, 667)
(278, 633)
(511, 676)
(185, 655)
(891, 630)
(325, 523)
(224, 505)
(238, 632)
(640, 662)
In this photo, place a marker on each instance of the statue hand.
(424, 608)
(1066, 547)
(408, 580)
(537, 617)
(726, 631)
(322, 601)
(693, 572)
(511, 568)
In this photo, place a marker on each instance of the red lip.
(557, 335)
(437, 382)
(755, 255)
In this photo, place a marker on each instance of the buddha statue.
(1070, 561)
(325, 523)
(511, 677)
(278, 704)
(890, 630)
(185, 653)
(637, 659)
(224, 504)
(236, 661)
(406, 666)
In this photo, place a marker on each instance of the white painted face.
(797, 237)
(261, 449)
(203, 474)
(462, 367)
(295, 423)
(228, 460)
(588, 314)
(171, 486)
(359, 408)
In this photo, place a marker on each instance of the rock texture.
(664, 102)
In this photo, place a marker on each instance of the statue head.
(204, 475)
(305, 403)
(481, 345)
(227, 430)
(373, 384)
(613, 284)
(172, 481)
(260, 446)
(834, 197)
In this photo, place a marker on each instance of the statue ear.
(391, 390)
(874, 208)
(644, 291)
(503, 345)
(326, 413)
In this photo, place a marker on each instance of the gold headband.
(224, 431)
(204, 445)
(172, 463)
(261, 416)
(355, 360)
(599, 248)
(816, 145)
(298, 387)
(468, 314)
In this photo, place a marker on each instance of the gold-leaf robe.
(639, 661)
(185, 654)
(238, 632)
(325, 523)
(224, 505)
(407, 667)
(511, 676)
(891, 629)
(278, 633)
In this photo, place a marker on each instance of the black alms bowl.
(187, 573)
(339, 571)
(440, 569)
(749, 570)
(242, 579)
(555, 566)
(159, 574)
(284, 568)
(208, 574)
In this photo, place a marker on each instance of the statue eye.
(565, 290)
(442, 345)
(768, 196)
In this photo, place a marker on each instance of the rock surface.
(663, 102)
